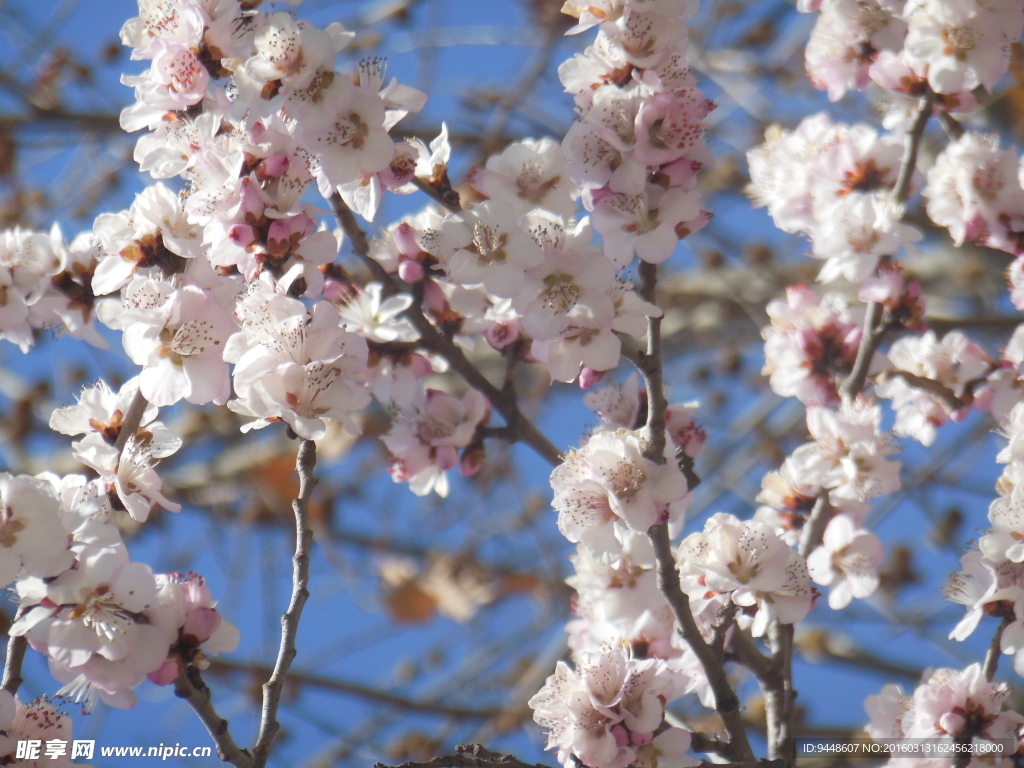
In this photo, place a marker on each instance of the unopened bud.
(471, 461)
(410, 271)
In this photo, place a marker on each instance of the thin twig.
(433, 340)
(700, 742)
(470, 756)
(951, 125)
(749, 655)
(901, 192)
(995, 649)
(934, 388)
(221, 667)
(873, 330)
(711, 655)
(304, 464)
(16, 647)
(814, 528)
(360, 245)
(727, 703)
(191, 687)
(131, 421)
(442, 193)
(780, 698)
(869, 343)
(651, 368)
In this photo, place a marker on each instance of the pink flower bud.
(200, 624)
(589, 377)
(471, 461)
(447, 457)
(500, 335)
(334, 291)
(252, 206)
(278, 239)
(952, 723)
(639, 739)
(242, 235)
(410, 271)
(273, 167)
(405, 239)
(420, 366)
(168, 672)
(621, 735)
(434, 299)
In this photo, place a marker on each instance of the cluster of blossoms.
(748, 564)
(991, 582)
(638, 142)
(833, 183)
(844, 467)
(811, 345)
(949, 704)
(104, 622)
(845, 188)
(608, 494)
(906, 45)
(227, 293)
(609, 712)
(46, 284)
(127, 478)
(975, 190)
(955, 364)
(523, 276)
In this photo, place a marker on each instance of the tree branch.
(219, 667)
(749, 656)
(869, 343)
(873, 330)
(191, 687)
(131, 421)
(951, 125)
(431, 339)
(934, 388)
(995, 649)
(727, 703)
(470, 756)
(711, 655)
(815, 526)
(442, 192)
(304, 464)
(360, 245)
(901, 192)
(780, 698)
(16, 647)
(651, 369)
